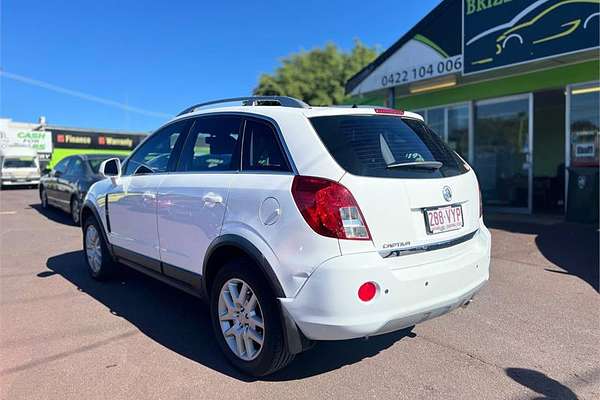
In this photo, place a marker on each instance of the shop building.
(54, 142)
(513, 87)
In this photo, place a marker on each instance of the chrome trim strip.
(427, 247)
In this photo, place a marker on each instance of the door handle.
(212, 198)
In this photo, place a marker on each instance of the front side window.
(387, 147)
(62, 165)
(154, 154)
(213, 145)
(76, 168)
(262, 151)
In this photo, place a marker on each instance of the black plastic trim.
(182, 275)
(140, 259)
(89, 205)
(163, 278)
(247, 247)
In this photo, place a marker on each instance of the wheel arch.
(89, 210)
(231, 246)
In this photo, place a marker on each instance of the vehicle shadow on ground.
(53, 214)
(181, 322)
(572, 247)
(541, 384)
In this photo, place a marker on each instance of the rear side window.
(262, 151)
(213, 145)
(386, 147)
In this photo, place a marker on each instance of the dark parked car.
(65, 186)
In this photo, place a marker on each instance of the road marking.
(7, 212)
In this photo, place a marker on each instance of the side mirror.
(46, 171)
(110, 168)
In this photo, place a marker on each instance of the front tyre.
(247, 321)
(75, 211)
(97, 257)
(44, 197)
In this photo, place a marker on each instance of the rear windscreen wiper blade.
(417, 164)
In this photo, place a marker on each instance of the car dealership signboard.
(499, 33)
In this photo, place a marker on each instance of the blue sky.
(162, 56)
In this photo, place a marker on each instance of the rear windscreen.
(23, 162)
(377, 146)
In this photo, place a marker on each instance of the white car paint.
(174, 217)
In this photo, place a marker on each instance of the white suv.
(296, 223)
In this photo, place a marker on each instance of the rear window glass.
(22, 162)
(387, 147)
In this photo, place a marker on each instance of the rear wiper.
(417, 164)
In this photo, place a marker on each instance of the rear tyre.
(247, 320)
(75, 211)
(44, 197)
(99, 261)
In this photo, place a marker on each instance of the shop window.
(585, 125)
(435, 120)
(458, 130)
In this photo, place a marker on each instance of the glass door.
(502, 152)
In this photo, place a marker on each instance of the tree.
(318, 76)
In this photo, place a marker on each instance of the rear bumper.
(411, 289)
(16, 182)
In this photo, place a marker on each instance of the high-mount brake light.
(389, 111)
(329, 208)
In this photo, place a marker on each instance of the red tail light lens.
(329, 208)
(389, 111)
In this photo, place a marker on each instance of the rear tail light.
(329, 208)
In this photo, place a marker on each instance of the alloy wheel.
(93, 248)
(241, 319)
(75, 211)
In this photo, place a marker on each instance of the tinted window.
(62, 165)
(76, 168)
(369, 145)
(262, 151)
(213, 145)
(23, 162)
(154, 154)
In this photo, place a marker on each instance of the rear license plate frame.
(428, 226)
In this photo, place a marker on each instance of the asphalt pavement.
(533, 332)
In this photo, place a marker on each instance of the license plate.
(443, 219)
(21, 180)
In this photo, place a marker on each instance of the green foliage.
(317, 76)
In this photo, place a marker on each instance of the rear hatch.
(20, 168)
(412, 189)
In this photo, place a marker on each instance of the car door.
(192, 202)
(132, 200)
(67, 182)
(52, 185)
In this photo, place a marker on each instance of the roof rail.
(283, 101)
